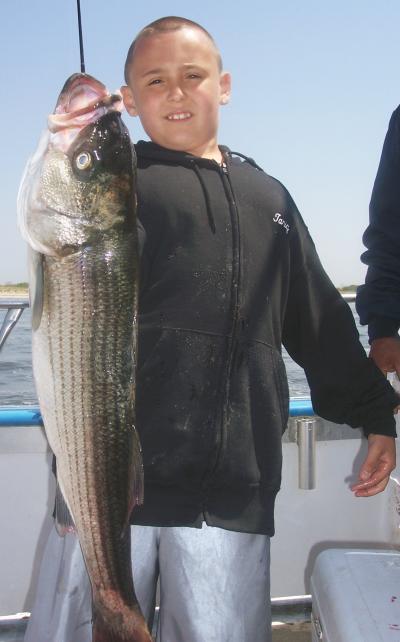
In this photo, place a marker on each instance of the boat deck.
(292, 633)
(288, 626)
(281, 633)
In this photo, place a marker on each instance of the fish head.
(79, 184)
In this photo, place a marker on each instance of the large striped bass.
(77, 212)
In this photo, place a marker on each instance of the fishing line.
(78, 5)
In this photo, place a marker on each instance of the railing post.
(306, 438)
(14, 311)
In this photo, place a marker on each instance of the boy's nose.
(175, 93)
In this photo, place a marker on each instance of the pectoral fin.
(36, 286)
(135, 497)
(63, 518)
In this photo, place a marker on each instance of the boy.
(228, 273)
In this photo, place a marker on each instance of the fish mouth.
(82, 100)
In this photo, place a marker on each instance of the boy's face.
(176, 88)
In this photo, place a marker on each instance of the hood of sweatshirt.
(150, 151)
(154, 152)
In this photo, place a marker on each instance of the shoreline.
(14, 294)
(24, 294)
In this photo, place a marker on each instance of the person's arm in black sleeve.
(378, 300)
(346, 387)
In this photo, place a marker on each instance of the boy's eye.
(155, 81)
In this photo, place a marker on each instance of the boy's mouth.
(182, 115)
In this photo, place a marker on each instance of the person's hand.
(385, 353)
(375, 471)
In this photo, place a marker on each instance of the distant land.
(14, 290)
(348, 288)
(21, 289)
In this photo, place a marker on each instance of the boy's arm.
(378, 300)
(320, 334)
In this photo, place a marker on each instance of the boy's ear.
(129, 101)
(225, 85)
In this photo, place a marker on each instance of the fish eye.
(83, 161)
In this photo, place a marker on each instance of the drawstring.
(251, 161)
(210, 215)
(154, 152)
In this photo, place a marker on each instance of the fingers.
(376, 484)
(375, 472)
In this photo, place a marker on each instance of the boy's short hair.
(163, 25)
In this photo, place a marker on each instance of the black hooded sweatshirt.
(229, 273)
(378, 300)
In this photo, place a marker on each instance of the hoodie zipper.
(235, 325)
(236, 254)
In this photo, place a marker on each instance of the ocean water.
(16, 379)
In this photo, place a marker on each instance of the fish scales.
(77, 211)
(94, 359)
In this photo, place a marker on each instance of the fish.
(77, 212)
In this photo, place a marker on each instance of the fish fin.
(36, 286)
(63, 518)
(138, 481)
(136, 491)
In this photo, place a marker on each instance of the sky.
(314, 85)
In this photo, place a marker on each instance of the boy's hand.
(375, 471)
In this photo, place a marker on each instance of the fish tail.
(121, 629)
(104, 634)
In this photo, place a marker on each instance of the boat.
(315, 510)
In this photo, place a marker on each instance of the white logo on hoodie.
(278, 218)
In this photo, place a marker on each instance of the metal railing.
(30, 415)
(14, 311)
(301, 409)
